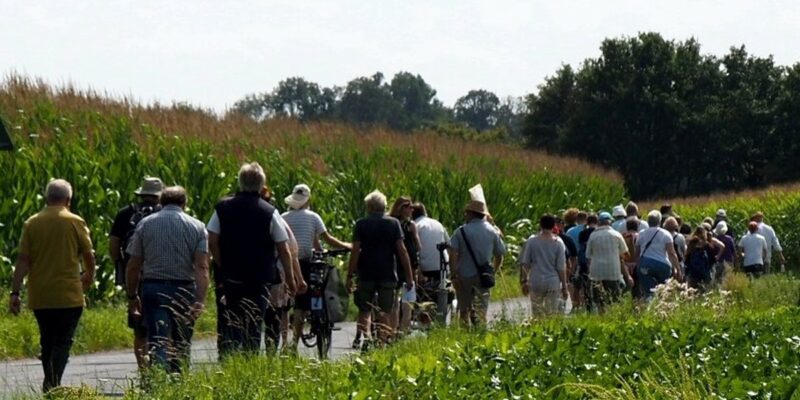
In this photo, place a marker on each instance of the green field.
(737, 345)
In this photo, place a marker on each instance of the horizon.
(508, 48)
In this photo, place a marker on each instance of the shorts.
(366, 292)
(138, 325)
(755, 269)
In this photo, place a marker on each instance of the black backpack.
(140, 211)
(699, 264)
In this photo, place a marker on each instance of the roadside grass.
(739, 343)
(102, 327)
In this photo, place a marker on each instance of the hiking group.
(400, 263)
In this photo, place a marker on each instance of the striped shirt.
(307, 226)
(168, 241)
(605, 248)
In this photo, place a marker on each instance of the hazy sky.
(213, 53)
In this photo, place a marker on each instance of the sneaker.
(357, 343)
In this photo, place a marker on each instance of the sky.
(212, 53)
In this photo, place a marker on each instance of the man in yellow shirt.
(54, 241)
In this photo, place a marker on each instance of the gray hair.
(251, 177)
(654, 218)
(58, 191)
(375, 201)
(173, 195)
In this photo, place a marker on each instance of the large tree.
(477, 109)
(368, 100)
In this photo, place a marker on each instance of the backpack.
(699, 264)
(140, 211)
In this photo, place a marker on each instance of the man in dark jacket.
(245, 234)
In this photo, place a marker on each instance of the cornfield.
(105, 146)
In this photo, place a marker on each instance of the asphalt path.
(113, 372)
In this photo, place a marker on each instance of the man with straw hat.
(475, 244)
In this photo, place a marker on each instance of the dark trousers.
(605, 293)
(56, 330)
(166, 306)
(247, 313)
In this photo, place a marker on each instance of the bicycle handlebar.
(330, 253)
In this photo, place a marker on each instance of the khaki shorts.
(366, 292)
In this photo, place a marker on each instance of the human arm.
(719, 246)
(133, 272)
(286, 259)
(355, 251)
(334, 242)
(201, 281)
(673, 259)
(402, 253)
(20, 271)
(89, 266)
(114, 251)
(213, 248)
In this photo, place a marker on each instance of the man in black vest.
(245, 234)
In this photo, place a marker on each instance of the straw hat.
(477, 201)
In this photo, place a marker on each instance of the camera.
(442, 246)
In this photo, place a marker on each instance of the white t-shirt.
(431, 232)
(276, 229)
(307, 226)
(773, 244)
(753, 244)
(658, 248)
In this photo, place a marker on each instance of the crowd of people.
(593, 258)
(260, 260)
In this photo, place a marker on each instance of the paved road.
(113, 372)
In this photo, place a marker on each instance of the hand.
(564, 294)
(14, 304)
(290, 285)
(525, 288)
(302, 286)
(135, 306)
(223, 300)
(629, 281)
(87, 280)
(349, 285)
(348, 246)
(197, 309)
(783, 267)
(409, 285)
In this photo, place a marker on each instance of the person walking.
(727, 258)
(169, 256)
(655, 255)
(245, 234)
(543, 274)
(432, 279)
(701, 256)
(475, 245)
(620, 219)
(773, 244)
(754, 248)
(605, 252)
(401, 314)
(377, 245)
(308, 228)
(122, 229)
(53, 245)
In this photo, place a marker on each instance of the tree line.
(672, 120)
(404, 103)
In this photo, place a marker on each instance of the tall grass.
(718, 346)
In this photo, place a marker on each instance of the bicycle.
(318, 322)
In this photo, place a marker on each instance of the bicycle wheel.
(324, 336)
